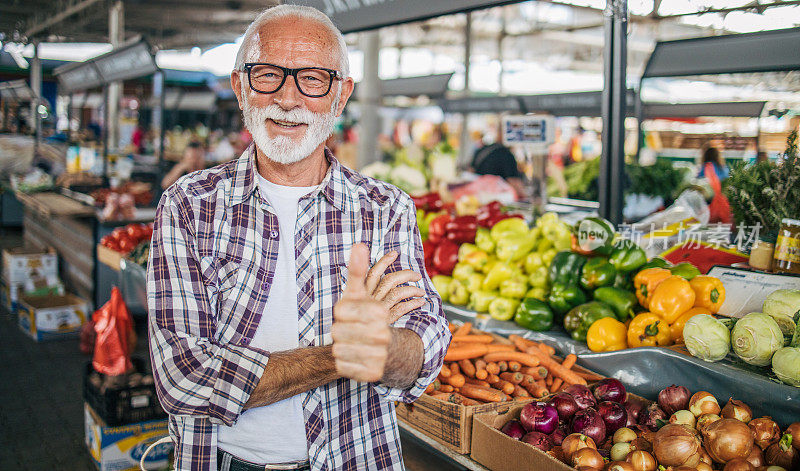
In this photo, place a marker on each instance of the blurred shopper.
(714, 170)
(262, 356)
(496, 159)
(762, 156)
(193, 159)
(712, 156)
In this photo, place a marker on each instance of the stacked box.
(120, 448)
(29, 272)
(51, 317)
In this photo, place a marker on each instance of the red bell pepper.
(462, 229)
(445, 257)
(428, 248)
(428, 202)
(437, 229)
(495, 218)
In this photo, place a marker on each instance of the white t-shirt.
(275, 433)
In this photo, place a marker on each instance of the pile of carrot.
(478, 370)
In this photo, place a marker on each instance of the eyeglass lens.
(268, 79)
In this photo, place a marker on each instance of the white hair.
(247, 48)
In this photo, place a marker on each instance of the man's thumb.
(357, 271)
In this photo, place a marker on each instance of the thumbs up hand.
(361, 335)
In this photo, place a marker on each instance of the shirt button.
(305, 343)
(265, 285)
(273, 234)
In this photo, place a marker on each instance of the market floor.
(41, 404)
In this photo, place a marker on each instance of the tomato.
(126, 244)
(118, 233)
(136, 231)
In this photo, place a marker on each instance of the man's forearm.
(405, 359)
(293, 372)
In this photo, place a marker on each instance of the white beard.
(283, 149)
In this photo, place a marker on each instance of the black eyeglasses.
(312, 82)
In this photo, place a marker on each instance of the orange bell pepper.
(709, 292)
(645, 283)
(672, 297)
(680, 323)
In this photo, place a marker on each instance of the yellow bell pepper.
(648, 330)
(607, 335)
(677, 327)
(709, 292)
(672, 297)
(645, 283)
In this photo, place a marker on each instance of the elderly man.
(263, 357)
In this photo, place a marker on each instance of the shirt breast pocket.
(241, 296)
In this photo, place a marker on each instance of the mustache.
(275, 112)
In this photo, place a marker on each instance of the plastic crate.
(126, 405)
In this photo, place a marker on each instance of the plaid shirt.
(212, 258)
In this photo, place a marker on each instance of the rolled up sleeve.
(428, 321)
(194, 376)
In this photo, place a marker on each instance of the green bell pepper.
(563, 297)
(441, 283)
(685, 270)
(500, 272)
(624, 281)
(627, 256)
(594, 236)
(622, 302)
(503, 309)
(655, 262)
(565, 268)
(534, 314)
(580, 318)
(458, 293)
(597, 272)
(479, 300)
(484, 240)
(538, 278)
(513, 288)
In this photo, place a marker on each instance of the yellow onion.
(683, 417)
(736, 410)
(728, 439)
(624, 434)
(705, 420)
(703, 467)
(794, 430)
(756, 457)
(641, 461)
(765, 431)
(704, 458)
(703, 402)
(574, 442)
(619, 466)
(783, 454)
(675, 445)
(642, 444)
(620, 450)
(739, 464)
(588, 457)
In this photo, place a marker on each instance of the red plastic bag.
(720, 208)
(87, 338)
(115, 337)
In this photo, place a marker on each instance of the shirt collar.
(244, 180)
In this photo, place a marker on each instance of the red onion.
(514, 429)
(565, 405)
(539, 440)
(610, 389)
(634, 407)
(652, 416)
(583, 395)
(559, 434)
(674, 398)
(539, 417)
(589, 423)
(614, 415)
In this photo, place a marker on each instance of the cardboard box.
(8, 296)
(499, 452)
(51, 317)
(121, 448)
(449, 424)
(30, 267)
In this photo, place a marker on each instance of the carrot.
(493, 379)
(588, 376)
(477, 382)
(429, 389)
(547, 349)
(538, 372)
(475, 338)
(445, 371)
(482, 394)
(465, 352)
(465, 328)
(455, 369)
(503, 366)
(556, 368)
(514, 365)
(458, 398)
(451, 327)
(524, 358)
(480, 369)
(467, 368)
(446, 388)
(441, 396)
(456, 380)
(492, 368)
(548, 381)
(519, 391)
(499, 347)
(519, 342)
(515, 378)
(556, 385)
(569, 361)
(538, 389)
(505, 386)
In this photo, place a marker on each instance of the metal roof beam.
(59, 17)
